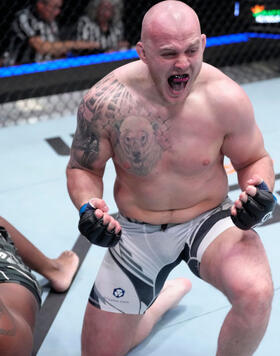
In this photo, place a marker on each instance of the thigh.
(106, 333)
(20, 302)
(236, 260)
(18, 308)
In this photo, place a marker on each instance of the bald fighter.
(167, 121)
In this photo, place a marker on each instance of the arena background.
(243, 40)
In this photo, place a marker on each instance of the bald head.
(168, 15)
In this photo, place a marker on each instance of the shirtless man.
(20, 294)
(167, 121)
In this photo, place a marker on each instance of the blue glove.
(95, 230)
(256, 210)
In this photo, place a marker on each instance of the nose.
(182, 62)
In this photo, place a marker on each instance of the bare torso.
(168, 158)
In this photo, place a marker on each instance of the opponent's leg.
(59, 271)
(236, 264)
(107, 334)
(18, 308)
(171, 294)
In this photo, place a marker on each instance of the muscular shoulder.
(227, 98)
(113, 96)
(100, 115)
(107, 101)
(243, 142)
(221, 87)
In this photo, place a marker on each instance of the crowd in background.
(40, 30)
(36, 34)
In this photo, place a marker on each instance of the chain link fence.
(243, 41)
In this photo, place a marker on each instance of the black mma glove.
(95, 230)
(256, 210)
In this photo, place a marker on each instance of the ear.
(203, 42)
(141, 52)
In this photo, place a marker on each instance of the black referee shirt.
(90, 31)
(27, 24)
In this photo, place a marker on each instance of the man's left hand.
(254, 206)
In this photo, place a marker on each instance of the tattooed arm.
(89, 152)
(99, 117)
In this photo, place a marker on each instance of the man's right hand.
(97, 226)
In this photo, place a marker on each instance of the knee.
(253, 298)
(246, 276)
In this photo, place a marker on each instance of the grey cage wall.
(243, 39)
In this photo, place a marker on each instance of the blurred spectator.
(117, 4)
(100, 24)
(35, 35)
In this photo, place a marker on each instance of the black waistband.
(163, 227)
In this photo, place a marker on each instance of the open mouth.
(178, 82)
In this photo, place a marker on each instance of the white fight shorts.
(133, 272)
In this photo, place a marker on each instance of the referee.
(35, 35)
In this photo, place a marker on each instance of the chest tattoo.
(137, 136)
(141, 142)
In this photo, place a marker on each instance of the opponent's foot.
(171, 294)
(65, 267)
(174, 290)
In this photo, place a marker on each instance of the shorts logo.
(118, 292)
